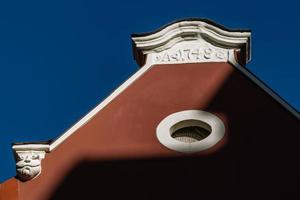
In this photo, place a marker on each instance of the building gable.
(188, 65)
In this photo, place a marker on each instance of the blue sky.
(58, 59)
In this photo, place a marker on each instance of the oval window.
(190, 131)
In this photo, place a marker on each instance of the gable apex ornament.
(191, 41)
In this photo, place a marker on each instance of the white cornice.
(192, 30)
(35, 147)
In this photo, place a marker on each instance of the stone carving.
(28, 164)
(196, 51)
(203, 42)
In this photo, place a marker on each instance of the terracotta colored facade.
(117, 154)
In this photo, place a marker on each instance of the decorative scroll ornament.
(28, 164)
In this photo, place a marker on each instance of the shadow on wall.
(171, 178)
(259, 161)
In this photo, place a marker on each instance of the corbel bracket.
(28, 159)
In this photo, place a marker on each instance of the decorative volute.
(28, 159)
(191, 41)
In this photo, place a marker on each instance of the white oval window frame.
(164, 134)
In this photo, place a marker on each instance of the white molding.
(34, 147)
(28, 163)
(192, 30)
(28, 172)
(243, 70)
(164, 131)
(106, 101)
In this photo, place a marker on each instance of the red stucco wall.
(9, 190)
(125, 129)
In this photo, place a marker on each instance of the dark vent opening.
(191, 134)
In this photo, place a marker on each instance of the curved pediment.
(195, 32)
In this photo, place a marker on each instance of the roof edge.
(232, 60)
(120, 89)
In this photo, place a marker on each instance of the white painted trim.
(34, 147)
(232, 60)
(149, 63)
(191, 30)
(27, 173)
(164, 131)
(41, 149)
(99, 107)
